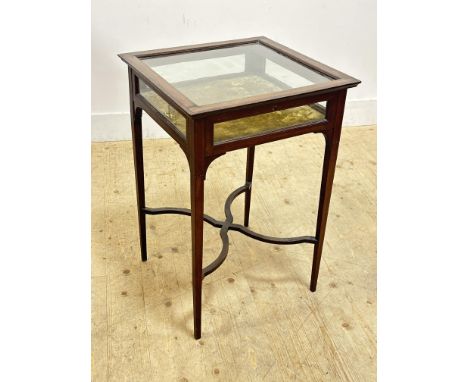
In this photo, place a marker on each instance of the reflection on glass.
(238, 128)
(177, 119)
(258, 124)
(226, 74)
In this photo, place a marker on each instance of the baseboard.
(360, 112)
(116, 126)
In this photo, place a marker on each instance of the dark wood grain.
(200, 148)
(248, 180)
(196, 149)
(194, 47)
(335, 111)
(137, 139)
(185, 106)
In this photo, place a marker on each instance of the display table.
(218, 97)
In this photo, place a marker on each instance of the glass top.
(226, 74)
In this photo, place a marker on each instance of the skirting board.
(116, 126)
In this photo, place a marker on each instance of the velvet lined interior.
(227, 89)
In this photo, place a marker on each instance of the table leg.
(139, 177)
(324, 203)
(196, 134)
(197, 201)
(335, 111)
(248, 179)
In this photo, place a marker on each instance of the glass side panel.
(241, 71)
(237, 128)
(177, 119)
(258, 124)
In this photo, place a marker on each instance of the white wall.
(340, 33)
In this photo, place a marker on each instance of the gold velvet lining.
(177, 119)
(257, 124)
(228, 89)
(206, 91)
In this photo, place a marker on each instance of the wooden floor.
(259, 321)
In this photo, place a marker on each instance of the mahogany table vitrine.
(218, 97)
